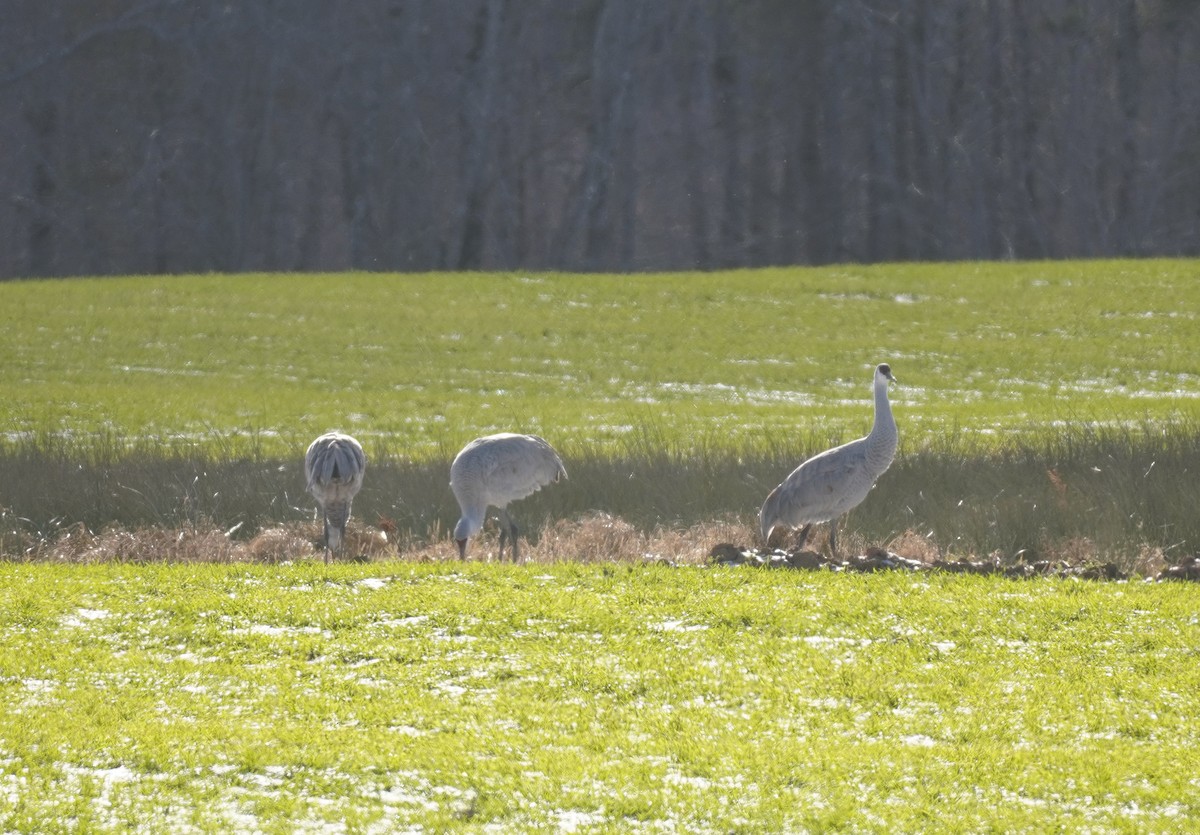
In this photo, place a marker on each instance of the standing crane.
(334, 466)
(495, 470)
(833, 482)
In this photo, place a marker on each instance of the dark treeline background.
(189, 135)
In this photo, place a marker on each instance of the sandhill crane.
(334, 466)
(833, 482)
(495, 470)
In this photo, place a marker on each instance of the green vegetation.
(597, 698)
(416, 364)
(1043, 407)
(1039, 402)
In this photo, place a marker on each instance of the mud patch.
(878, 559)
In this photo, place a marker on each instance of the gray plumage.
(334, 467)
(833, 482)
(495, 470)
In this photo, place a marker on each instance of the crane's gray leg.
(503, 534)
(802, 537)
(325, 526)
(509, 527)
(833, 538)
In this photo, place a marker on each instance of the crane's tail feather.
(335, 461)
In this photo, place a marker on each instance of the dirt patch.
(1187, 569)
(879, 559)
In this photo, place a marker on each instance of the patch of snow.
(677, 626)
(411, 620)
(408, 730)
(118, 774)
(267, 629)
(39, 685)
(83, 616)
(571, 819)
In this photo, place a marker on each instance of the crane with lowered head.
(334, 467)
(495, 470)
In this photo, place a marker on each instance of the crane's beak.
(462, 548)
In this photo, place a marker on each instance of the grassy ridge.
(419, 363)
(389, 698)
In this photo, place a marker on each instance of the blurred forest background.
(193, 135)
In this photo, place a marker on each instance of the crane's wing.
(823, 487)
(825, 473)
(549, 463)
(523, 466)
(504, 467)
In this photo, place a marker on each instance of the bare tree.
(163, 136)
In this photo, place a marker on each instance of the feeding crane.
(334, 466)
(495, 470)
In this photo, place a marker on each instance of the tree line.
(168, 136)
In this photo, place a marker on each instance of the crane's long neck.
(881, 443)
(471, 520)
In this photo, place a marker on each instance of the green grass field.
(418, 364)
(396, 698)
(1045, 409)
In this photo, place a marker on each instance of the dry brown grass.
(600, 537)
(913, 546)
(595, 537)
(591, 537)
(1149, 562)
(279, 544)
(77, 544)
